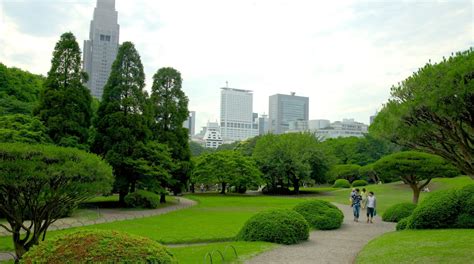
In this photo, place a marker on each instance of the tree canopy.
(433, 111)
(22, 128)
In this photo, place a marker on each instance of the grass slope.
(420, 246)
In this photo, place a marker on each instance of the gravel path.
(333, 246)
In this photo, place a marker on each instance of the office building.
(284, 109)
(190, 123)
(101, 48)
(212, 136)
(344, 128)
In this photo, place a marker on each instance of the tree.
(349, 172)
(122, 124)
(227, 168)
(413, 168)
(65, 103)
(22, 128)
(368, 172)
(197, 149)
(39, 182)
(433, 111)
(170, 110)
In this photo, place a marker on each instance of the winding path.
(332, 246)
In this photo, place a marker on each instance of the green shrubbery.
(99, 246)
(358, 183)
(341, 183)
(142, 199)
(282, 226)
(320, 214)
(403, 223)
(398, 211)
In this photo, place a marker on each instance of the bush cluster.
(320, 214)
(342, 183)
(282, 226)
(358, 183)
(403, 223)
(399, 211)
(142, 199)
(99, 246)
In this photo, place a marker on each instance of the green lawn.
(420, 246)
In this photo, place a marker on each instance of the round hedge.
(142, 199)
(403, 223)
(398, 211)
(439, 210)
(282, 226)
(99, 246)
(320, 214)
(358, 183)
(341, 183)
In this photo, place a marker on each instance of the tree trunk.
(416, 193)
(19, 250)
(223, 188)
(296, 186)
(162, 198)
(192, 188)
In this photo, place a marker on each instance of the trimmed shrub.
(320, 214)
(99, 246)
(358, 183)
(465, 221)
(341, 183)
(398, 211)
(142, 199)
(403, 223)
(440, 210)
(282, 226)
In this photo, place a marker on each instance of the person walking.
(350, 195)
(356, 199)
(371, 204)
(364, 195)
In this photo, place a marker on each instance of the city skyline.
(344, 56)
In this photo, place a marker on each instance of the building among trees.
(284, 109)
(190, 123)
(101, 48)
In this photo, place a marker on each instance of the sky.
(343, 55)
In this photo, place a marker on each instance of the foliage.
(22, 128)
(341, 183)
(246, 147)
(398, 211)
(358, 183)
(289, 159)
(280, 226)
(197, 149)
(432, 111)
(40, 182)
(142, 199)
(228, 146)
(122, 125)
(65, 103)
(368, 173)
(99, 246)
(320, 214)
(228, 168)
(403, 223)
(349, 172)
(413, 168)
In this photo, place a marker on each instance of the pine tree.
(65, 103)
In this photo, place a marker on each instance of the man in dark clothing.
(356, 198)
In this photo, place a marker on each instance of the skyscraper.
(286, 108)
(237, 115)
(190, 123)
(101, 48)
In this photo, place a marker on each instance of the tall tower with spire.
(101, 48)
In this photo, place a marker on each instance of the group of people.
(365, 200)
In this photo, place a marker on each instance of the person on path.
(350, 196)
(371, 204)
(364, 195)
(356, 199)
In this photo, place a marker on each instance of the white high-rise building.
(190, 123)
(101, 48)
(237, 122)
(212, 137)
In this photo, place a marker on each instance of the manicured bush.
(99, 246)
(403, 223)
(320, 214)
(398, 211)
(142, 199)
(465, 221)
(358, 183)
(440, 210)
(282, 226)
(341, 183)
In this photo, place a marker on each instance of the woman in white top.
(371, 203)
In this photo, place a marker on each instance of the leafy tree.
(39, 182)
(197, 149)
(368, 172)
(65, 103)
(246, 147)
(433, 111)
(228, 146)
(413, 168)
(227, 168)
(170, 110)
(122, 125)
(349, 172)
(22, 128)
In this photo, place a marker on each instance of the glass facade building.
(284, 109)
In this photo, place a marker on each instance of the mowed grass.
(420, 246)
(197, 254)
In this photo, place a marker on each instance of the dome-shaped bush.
(99, 246)
(358, 183)
(403, 223)
(341, 183)
(142, 199)
(282, 226)
(320, 214)
(398, 211)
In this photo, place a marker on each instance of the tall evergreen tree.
(170, 110)
(65, 103)
(122, 123)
